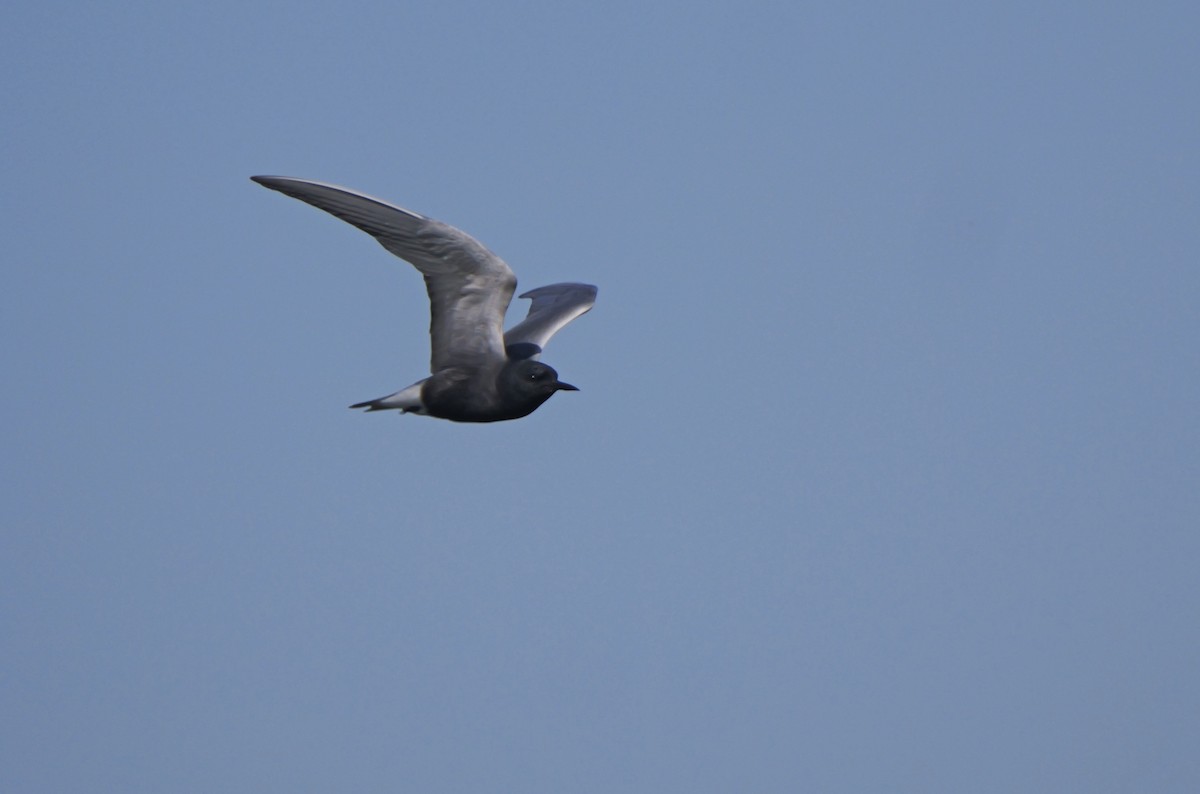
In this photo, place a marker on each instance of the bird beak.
(567, 387)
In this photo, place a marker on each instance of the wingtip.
(560, 287)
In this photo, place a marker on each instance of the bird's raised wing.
(469, 286)
(553, 306)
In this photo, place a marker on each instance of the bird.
(478, 372)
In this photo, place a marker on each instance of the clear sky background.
(885, 471)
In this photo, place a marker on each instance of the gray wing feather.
(553, 306)
(469, 286)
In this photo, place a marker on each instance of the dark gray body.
(478, 372)
(516, 390)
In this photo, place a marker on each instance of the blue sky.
(885, 471)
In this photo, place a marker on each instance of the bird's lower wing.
(553, 306)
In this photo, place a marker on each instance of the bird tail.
(377, 405)
(406, 401)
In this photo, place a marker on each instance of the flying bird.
(479, 373)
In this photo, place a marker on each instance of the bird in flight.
(479, 373)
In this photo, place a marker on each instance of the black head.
(536, 377)
(528, 384)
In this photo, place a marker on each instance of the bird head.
(531, 382)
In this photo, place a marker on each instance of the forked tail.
(406, 401)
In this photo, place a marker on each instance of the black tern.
(479, 372)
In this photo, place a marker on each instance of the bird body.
(479, 373)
